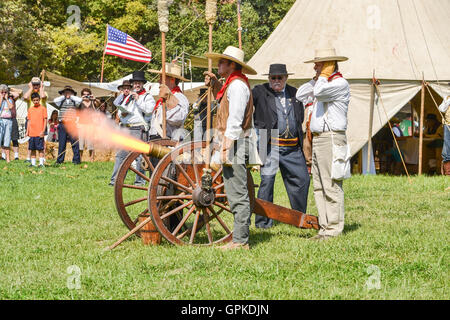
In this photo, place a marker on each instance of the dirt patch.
(51, 153)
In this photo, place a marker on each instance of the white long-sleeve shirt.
(238, 95)
(444, 108)
(145, 104)
(334, 96)
(175, 117)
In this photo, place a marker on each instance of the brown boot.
(446, 167)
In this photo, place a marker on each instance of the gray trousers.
(235, 180)
(122, 154)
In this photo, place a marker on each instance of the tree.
(40, 34)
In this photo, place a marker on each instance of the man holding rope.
(234, 130)
(331, 95)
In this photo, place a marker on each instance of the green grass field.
(396, 232)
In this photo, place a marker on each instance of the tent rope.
(436, 104)
(392, 131)
(428, 48)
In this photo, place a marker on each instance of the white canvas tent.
(398, 40)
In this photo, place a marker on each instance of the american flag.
(122, 45)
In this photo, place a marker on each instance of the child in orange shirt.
(37, 122)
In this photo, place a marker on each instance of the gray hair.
(4, 87)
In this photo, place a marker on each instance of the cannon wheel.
(129, 206)
(184, 177)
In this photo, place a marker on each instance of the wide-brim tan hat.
(233, 54)
(172, 70)
(328, 54)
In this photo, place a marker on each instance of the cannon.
(185, 198)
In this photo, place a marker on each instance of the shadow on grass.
(351, 227)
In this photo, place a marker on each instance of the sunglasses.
(276, 78)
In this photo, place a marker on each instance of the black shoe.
(27, 161)
(31, 166)
(16, 159)
(41, 166)
(111, 184)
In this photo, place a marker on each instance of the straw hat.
(172, 70)
(124, 84)
(233, 54)
(68, 88)
(35, 80)
(328, 54)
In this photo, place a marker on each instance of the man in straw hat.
(177, 105)
(67, 104)
(279, 117)
(234, 130)
(330, 94)
(133, 104)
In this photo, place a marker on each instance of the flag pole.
(163, 18)
(104, 53)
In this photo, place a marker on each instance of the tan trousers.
(328, 193)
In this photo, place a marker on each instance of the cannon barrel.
(159, 152)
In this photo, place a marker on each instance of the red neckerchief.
(159, 102)
(235, 75)
(140, 93)
(335, 76)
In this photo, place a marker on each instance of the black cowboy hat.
(124, 84)
(277, 69)
(68, 88)
(138, 76)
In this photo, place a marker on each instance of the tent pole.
(372, 105)
(163, 81)
(422, 110)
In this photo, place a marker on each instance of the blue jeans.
(446, 148)
(5, 132)
(64, 136)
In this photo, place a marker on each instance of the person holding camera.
(91, 103)
(7, 113)
(67, 104)
(133, 103)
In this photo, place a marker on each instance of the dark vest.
(266, 115)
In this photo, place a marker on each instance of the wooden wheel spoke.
(218, 173)
(216, 215)
(170, 203)
(184, 173)
(219, 186)
(180, 197)
(183, 221)
(221, 195)
(206, 220)
(129, 186)
(147, 159)
(143, 176)
(220, 205)
(194, 227)
(134, 202)
(177, 184)
(197, 179)
(168, 214)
